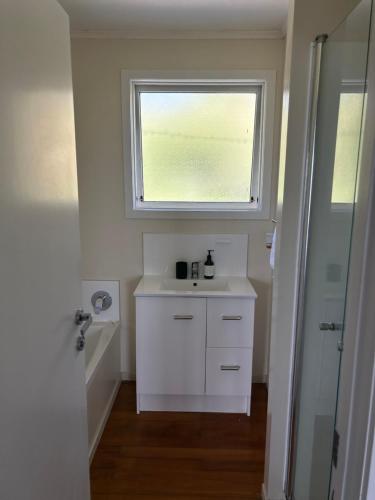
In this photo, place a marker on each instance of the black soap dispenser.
(209, 267)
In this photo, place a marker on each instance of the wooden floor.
(180, 456)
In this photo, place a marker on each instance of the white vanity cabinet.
(194, 353)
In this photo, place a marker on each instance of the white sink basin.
(215, 285)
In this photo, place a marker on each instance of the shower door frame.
(315, 67)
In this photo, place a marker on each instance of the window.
(196, 145)
(347, 144)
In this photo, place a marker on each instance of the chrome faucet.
(98, 306)
(195, 270)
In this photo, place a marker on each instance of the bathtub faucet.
(101, 301)
(98, 307)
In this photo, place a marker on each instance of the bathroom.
(86, 218)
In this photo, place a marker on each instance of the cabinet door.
(171, 339)
(230, 322)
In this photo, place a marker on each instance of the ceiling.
(177, 15)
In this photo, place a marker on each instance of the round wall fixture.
(101, 301)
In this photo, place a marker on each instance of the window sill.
(248, 214)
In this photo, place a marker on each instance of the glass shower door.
(328, 224)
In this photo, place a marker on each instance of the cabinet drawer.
(230, 322)
(228, 372)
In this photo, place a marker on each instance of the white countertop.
(155, 286)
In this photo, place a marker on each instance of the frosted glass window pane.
(197, 146)
(347, 147)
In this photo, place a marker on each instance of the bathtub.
(103, 374)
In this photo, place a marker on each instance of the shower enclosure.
(338, 95)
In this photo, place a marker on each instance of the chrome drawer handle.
(230, 368)
(231, 318)
(183, 316)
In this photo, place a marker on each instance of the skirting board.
(216, 404)
(127, 377)
(264, 494)
(257, 379)
(103, 421)
(264, 497)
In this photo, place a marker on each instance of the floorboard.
(180, 456)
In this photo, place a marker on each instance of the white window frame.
(132, 81)
(350, 87)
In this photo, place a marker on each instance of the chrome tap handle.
(101, 301)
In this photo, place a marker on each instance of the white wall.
(306, 20)
(112, 244)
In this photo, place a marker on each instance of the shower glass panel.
(329, 215)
